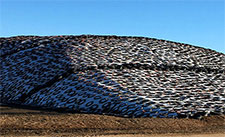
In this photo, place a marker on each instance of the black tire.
(94, 107)
(80, 101)
(103, 100)
(89, 103)
(97, 97)
(124, 110)
(90, 95)
(132, 106)
(106, 106)
(138, 114)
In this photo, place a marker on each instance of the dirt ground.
(167, 135)
(26, 122)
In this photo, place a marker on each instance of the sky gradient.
(196, 22)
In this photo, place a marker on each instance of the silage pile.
(122, 76)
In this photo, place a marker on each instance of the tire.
(80, 101)
(94, 107)
(103, 100)
(89, 103)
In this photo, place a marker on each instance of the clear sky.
(197, 22)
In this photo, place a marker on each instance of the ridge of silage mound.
(122, 76)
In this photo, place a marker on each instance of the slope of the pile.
(126, 76)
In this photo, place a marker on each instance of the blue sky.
(197, 22)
